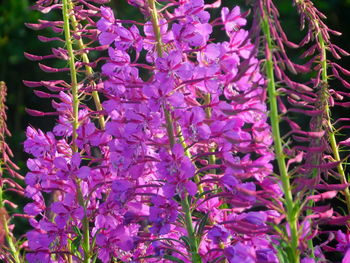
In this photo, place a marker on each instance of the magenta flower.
(176, 169)
(115, 243)
(161, 93)
(195, 129)
(343, 245)
(162, 215)
(67, 210)
(240, 253)
(38, 143)
(233, 20)
(267, 255)
(218, 234)
(123, 190)
(41, 242)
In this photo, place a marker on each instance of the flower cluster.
(182, 141)
(175, 162)
(195, 125)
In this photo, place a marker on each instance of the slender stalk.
(13, 249)
(156, 27)
(170, 131)
(190, 231)
(212, 157)
(85, 221)
(73, 73)
(4, 223)
(66, 8)
(196, 177)
(280, 157)
(88, 69)
(331, 130)
(169, 126)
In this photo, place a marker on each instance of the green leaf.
(94, 238)
(281, 251)
(204, 193)
(196, 258)
(150, 256)
(94, 258)
(77, 231)
(186, 240)
(201, 225)
(76, 244)
(180, 219)
(217, 259)
(296, 209)
(174, 259)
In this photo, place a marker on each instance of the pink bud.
(323, 196)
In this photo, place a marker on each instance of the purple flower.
(267, 255)
(308, 260)
(173, 65)
(112, 242)
(107, 26)
(67, 168)
(232, 20)
(194, 127)
(132, 179)
(107, 19)
(218, 234)
(160, 93)
(176, 169)
(67, 209)
(162, 214)
(195, 34)
(343, 245)
(42, 257)
(194, 10)
(36, 207)
(40, 242)
(211, 54)
(256, 218)
(123, 190)
(240, 253)
(128, 38)
(166, 35)
(38, 143)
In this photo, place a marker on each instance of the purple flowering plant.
(168, 144)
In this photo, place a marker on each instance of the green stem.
(331, 130)
(73, 73)
(67, 8)
(280, 157)
(156, 27)
(212, 157)
(196, 177)
(3, 222)
(85, 221)
(88, 69)
(190, 231)
(169, 127)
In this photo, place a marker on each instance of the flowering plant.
(169, 145)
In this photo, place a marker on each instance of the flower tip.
(39, 113)
(32, 84)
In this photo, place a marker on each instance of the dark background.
(15, 39)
